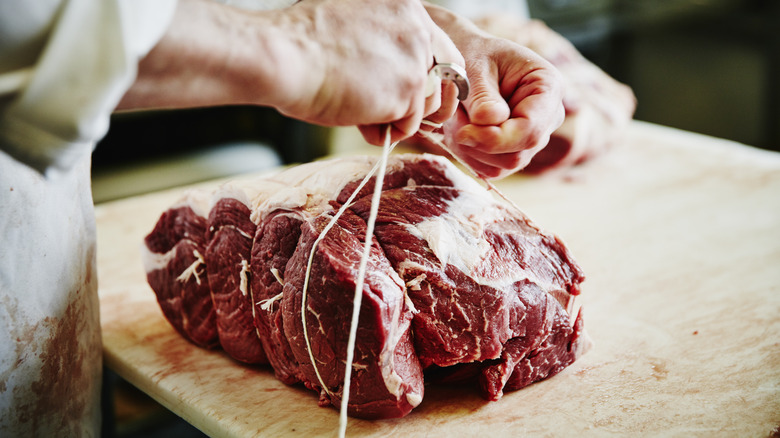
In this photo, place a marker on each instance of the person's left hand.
(515, 103)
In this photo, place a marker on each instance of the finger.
(399, 130)
(485, 105)
(373, 134)
(448, 103)
(444, 51)
(537, 102)
(443, 48)
(540, 100)
(481, 168)
(514, 135)
(434, 100)
(509, 161)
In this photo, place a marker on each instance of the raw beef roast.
(230, 234)
(175, 267)
(459, 286)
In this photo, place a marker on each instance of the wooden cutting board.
(679, 236)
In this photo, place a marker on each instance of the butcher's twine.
(358, 297)
(379, 167)
(490, 186)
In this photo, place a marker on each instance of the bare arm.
(330, 62)
(210, 55)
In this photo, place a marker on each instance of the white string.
(433, 125)
(334, 219)
(488, 184)
(304, 293)
(361, 277)
(492, 187)
(358, 295)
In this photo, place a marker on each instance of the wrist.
(277, 64)
(214, 54)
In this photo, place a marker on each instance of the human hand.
(514, 105)
(328, 62)
(598, 107)
(367, 64)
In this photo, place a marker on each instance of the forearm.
(217, 55)
(329, 62)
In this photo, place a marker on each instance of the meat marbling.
(459, 286)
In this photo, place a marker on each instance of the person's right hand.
(328, 62)
(364, 63)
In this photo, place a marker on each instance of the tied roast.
(459, 286)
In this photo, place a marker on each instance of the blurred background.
(708, 66)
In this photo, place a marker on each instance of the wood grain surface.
(679, 236)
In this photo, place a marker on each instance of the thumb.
(485, 105)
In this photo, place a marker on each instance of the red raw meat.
(459, 286)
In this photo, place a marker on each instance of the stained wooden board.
(679, 236)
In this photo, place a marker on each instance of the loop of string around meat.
(490, 186)
(379, 167)
(438, 142)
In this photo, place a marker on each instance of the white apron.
(50, 351)
(64, 65)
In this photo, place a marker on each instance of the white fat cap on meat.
(312, 186)
(197, 200)
(308, 186)
(230, 190)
